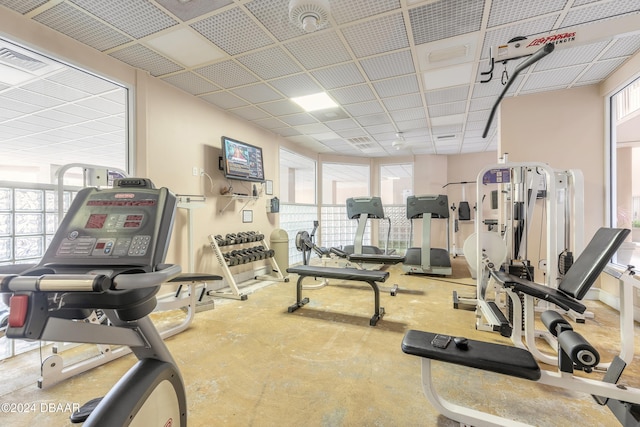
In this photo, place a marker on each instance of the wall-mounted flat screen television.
(241, 160)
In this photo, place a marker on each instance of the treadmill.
(363, 208)
(428, 260)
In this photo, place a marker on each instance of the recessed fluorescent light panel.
(317, 101)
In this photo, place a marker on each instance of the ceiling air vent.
(365, 145)
(20, 61)
(442, 138)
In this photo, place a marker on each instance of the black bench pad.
(376, 258)
(513, 361)
(539, 291)
(195, 277)
(339, 273)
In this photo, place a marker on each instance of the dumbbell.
(256, 252)
(231, 237)
(229, 259)
(220, 240)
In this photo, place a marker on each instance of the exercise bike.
(305, 243)
(108, 254)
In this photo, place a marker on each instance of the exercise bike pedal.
(84, 411)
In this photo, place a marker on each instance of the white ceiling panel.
(367, 57)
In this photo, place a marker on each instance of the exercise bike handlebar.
(87, 282)
(164, 273)
(55, 283)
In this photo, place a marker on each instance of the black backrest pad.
(586, 269)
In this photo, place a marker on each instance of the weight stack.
(523, 272)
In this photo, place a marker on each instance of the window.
(343, 180)
(297, 178)
(339, 182)
(51, 115)
(396, 184)
(625, 169)
(298, 209)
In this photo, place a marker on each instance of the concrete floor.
(251, 363)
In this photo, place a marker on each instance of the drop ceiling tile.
(411, 114)
(402, 102)
(80, 111)
(339, 76)
(312, 128)
(223, 30)
(570, 56)
(385, 128)
(600, 10)
(435, 20)
(364, 108)
(313, 52)
(479, 104)
(410, 125)
(191, 82)
(194, 8)
(274, 15)
(102, 105)
(286, 132)
(552, 79)
(354, 10)
(281, 108)
(508, 11)
(374, 119)
(269, 123)
(442, 96)
(144, 58)
(297, 85)
(447, 109)
(227, 74)
(377, 35)
(601, 70)
(270, 63)
(389, 65)
(342, 124)
(623, 47)
(396, 86)
(78, 25)
(138, 18)
(298, 119)
(352, 94)
(257, 93)
(250, 113)
(24, 6)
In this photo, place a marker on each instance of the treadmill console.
(127, 225)
(437, 206)
(371, 206)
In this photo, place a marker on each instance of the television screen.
(241, 160)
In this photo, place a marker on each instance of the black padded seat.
(503, 359)
(339, 273)
(580, 277)
(368, 276)
(376, 258)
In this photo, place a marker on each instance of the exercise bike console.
(108, 254)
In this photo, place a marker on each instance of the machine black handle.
(55, 283)
(541, 53)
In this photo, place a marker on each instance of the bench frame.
(370, 277)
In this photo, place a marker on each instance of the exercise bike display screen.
(113, 226)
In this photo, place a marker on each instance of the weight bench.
(574, 352)
(567, 296)
(367, 276)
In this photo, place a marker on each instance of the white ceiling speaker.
(310, 15)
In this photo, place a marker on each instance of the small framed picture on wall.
(247, 215)
(268, 187)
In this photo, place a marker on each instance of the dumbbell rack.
(234, 292)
